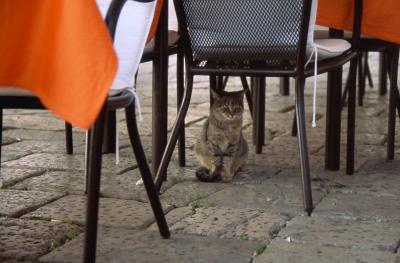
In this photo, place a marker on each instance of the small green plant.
(244, 237)
(258, 249)
(71, 234)
(52, 245)
(196, 203)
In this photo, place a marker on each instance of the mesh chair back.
(242, 30)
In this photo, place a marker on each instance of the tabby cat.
(221, 148)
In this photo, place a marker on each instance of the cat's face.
(227, 105)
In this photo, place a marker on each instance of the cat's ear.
(215, 95)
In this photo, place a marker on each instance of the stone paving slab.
(213, 221)
(25, 134)
(376, 184)
(174, 216)
(360, 206)
(280, 194)
(264, 227)
(13, 155)
(112, 212)
(68, 182)
(40, 146)
(182, 194)
(117, 245)
(281, 251)
(362, 235)
(29, 239)
(14, 203)
(8, 140)
(58, 161)
(10, 176)
(34, 122)
(112, 185)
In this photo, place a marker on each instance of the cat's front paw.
(203, 174)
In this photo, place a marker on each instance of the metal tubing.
(180, 89)
(1, 131)
(351, 119)
(284, 86)
(145, 170)
(94, 173)
(260, 138)
(361, 82)
(160, 89)
(383, 69)
(248, 94)
(161, 172)
(69, 138)
(394, 60)
(302, 139)
(333, 114)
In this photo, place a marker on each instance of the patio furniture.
(16, 98)
(121, 97)
(255, 38)
(380, 21)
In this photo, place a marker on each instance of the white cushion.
(130, 38)
(311, 26)
(331, 47)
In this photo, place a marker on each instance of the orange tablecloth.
(61, 51)
(381, 18)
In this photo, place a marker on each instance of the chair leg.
(1, 132)
(302, 137)
(284, 86)
(346, 90)
(294, 125)
(351, 119)
(259, 113)
(87, 154)
(94, 173)
(180, 89)
(368, 74)
(394, 60)
(145, 171)
(361, 82)
(246, 87)
(383, 69)
(69, 138)
(161, 172)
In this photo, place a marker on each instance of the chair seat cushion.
(15, 92)
(18, 92)
(331, 47)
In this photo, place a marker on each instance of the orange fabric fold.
(154, 24)
(61, 51)
(381, 18)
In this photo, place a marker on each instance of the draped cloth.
(381, 18)
(61, 51)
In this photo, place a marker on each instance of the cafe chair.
(16, 98)
(128, 23)
(260, 38)
(388, 65)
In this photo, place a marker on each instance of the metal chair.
(254, 38)
(123, 99)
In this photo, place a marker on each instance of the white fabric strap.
(314, 54)
(137, 104)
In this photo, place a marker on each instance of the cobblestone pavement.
(257, 218)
